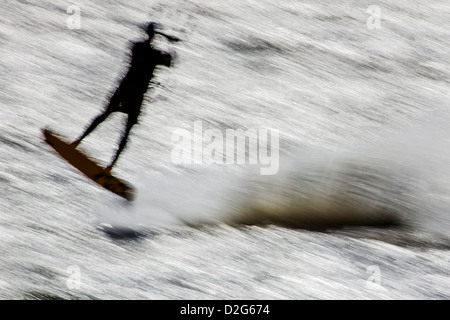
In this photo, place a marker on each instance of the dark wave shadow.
(125, 233)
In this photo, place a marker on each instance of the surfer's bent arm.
(165, 59)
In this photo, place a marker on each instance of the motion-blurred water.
(362, 113)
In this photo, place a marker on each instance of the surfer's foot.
(75, 143)
(108, 169)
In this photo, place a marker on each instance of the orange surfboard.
(88, 166)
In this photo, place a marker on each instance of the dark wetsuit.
(130, 93)
(128, 96)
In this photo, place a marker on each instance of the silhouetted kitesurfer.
(129, 95)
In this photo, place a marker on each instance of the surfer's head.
(150, 30)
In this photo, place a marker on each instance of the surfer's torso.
(142, 66)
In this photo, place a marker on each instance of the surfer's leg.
(133, 110)
(123, 143)
(99, 119)
(113, 105)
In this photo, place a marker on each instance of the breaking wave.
(401, 180)
(315, 190)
